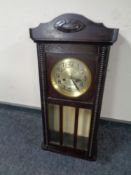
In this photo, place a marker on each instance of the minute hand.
(75, 84)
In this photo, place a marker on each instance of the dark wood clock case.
(72, 35)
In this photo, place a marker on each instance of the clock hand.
(75, 84)
(76, 79)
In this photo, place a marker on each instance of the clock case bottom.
(71, 151)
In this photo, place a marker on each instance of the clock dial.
(71, 77)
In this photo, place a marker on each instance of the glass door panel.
(84, 121)
(68, 125)
(53, 119)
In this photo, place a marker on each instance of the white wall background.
(18, 61)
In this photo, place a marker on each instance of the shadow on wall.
(118, 52)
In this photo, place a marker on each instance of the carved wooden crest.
(79, 28)
(68, 26)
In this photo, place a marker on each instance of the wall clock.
(72, 57)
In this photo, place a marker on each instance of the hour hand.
(76, 79)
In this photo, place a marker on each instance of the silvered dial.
(71, 77)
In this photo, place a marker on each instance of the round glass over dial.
(71, 77)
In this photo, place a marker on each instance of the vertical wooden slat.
(61, 125)
(76, 126)
(43, 89)
(103, 53)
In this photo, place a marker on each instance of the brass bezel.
(65, 92)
